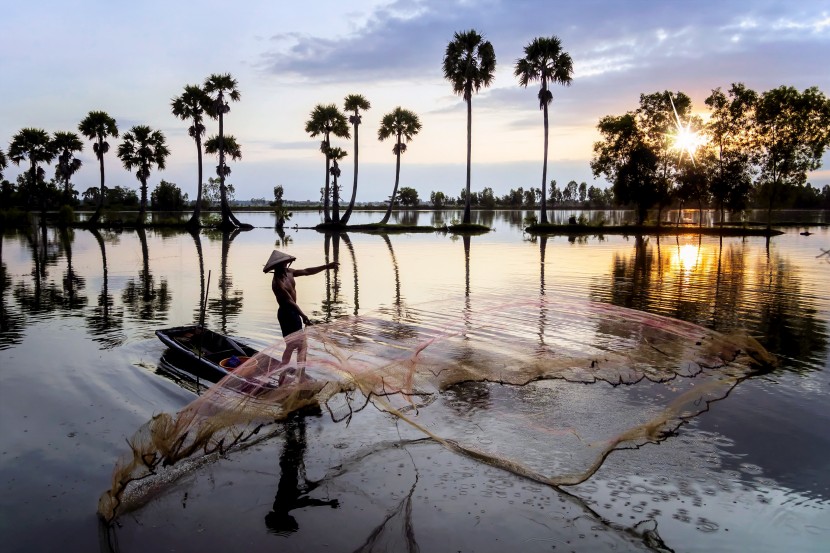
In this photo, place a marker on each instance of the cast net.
(506, 384)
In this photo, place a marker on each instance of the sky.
(64, 58)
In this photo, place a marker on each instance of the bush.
(14, 218)
(66, 215)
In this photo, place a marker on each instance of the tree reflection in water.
(144, 299)
(715, 286)
(105, 321)
(229, 304)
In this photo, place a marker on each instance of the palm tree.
(3, 163)
(97, 126)
(335, 155)
(192, 106)
(66, 144)
(142, 148)
(213, 145)
(354, 103)
(36, 146)
(546, 62)
(217, 86)
(469, 64)
(403, 124)
(327, 120)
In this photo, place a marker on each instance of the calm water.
(80, 373)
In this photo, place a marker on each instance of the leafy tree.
(408, 196)
(469, 64)
(583, 191)
(515, 197)
(142, 149)
(35, 146)
(192, 105)
(595, 196)
(326, 120)
(546, 62)
(213, 196)
(279, 207)
(220, 192)
(792, 133)
(98, 126)
(168, 197)
(570, 192)
(624, 158)
(217, 86)
(403, 125)
(555, 194)
(530, 197)
(335, 155)
(66, 144)
(3, 163)
(354, 103)
(730, 136)
(487, 199)
(438, 199)
(657, 119)
(121, 196)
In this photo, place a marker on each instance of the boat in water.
(203, 353)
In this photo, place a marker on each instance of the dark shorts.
(290, 320)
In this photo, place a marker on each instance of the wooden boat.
(203, 352)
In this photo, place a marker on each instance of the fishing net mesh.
(505, 385)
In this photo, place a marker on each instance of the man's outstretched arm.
(315, 270)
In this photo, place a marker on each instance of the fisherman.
(291, 317)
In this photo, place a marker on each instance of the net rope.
(506, 384)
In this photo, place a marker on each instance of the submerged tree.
(792, 134)
(354, 103)
(35, 146)
(327, 120)
(98, 126)
(66, 144)
(546, 62)
(403, 125)
(192, 105)
(469, 64)
(141, 149)
(218, 86)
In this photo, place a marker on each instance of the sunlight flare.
(685, 139)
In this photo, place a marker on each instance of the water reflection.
(294, 487)
(106, 320)
(717, 285)
(147, 301)
(11, 320)
(229, 304)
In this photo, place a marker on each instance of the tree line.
(758, 147)
(755, 149)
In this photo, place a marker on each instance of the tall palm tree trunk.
(397, 178)
(102, 194)
(142, 212)
(194, 221)
(467, 202)
(326, 190)
(544, 215)
(223, 194)
(348, 212)
(335, 200)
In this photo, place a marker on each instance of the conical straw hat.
(276, 258)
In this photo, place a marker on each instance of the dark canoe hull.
(199, 351)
